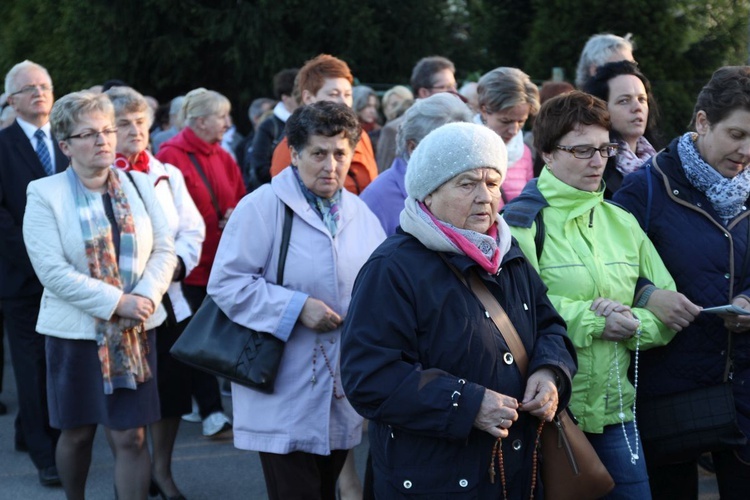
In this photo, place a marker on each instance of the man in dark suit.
(27, 152)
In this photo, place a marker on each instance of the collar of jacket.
(188, 141)
(567, 198)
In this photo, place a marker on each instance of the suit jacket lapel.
(26, 153)
(61, 161)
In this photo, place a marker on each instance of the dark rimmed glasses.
(93, 135)
(586, 152)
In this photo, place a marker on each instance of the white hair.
(598, 50)
(10, 78)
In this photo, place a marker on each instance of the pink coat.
(518, 175)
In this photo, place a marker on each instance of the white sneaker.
(216, 423)
(193, 417)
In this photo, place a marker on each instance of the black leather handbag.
(215, 344)
(680, 427)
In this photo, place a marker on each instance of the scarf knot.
(328, 209)
(141, 163)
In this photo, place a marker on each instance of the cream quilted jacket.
(52, 234)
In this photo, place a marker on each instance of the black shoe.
(20, 445)
(155, 491)
(3, 408)
(48, 476)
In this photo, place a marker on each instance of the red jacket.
(225, 179)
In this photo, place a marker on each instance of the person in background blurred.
(601, 49)
(133, 119)
(260, 109)
(174, 125)
(327, 78)
(215, 184)
(431, 75)
(507, 98)
(396, 101)
(385, 195)
(469, 91)
(633, 110)
(271, 130)
(366, 104)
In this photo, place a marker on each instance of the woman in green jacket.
(592, 254)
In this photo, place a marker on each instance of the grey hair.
(10, 77)
(361, 95)
(428, 114)
(201, 102)
(256, 107)
(598, 49)
(67, 111)
(504, 88)
(129, 100)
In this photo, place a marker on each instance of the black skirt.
(75, 390)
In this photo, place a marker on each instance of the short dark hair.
(322, 118)
(727, 91)
(423, 74)
(283, 82)
(598, 86)
(563, 113)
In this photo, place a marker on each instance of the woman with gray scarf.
(452, 413)
(691, 199)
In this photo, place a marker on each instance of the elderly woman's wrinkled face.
(323, 163)
(507, 122)
(725, 145)
(581, 173)
(91, 145)
(132, 133)
(469, 200)
(628, 106)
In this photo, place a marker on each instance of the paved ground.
(204, 469)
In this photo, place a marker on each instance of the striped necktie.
(43, 153)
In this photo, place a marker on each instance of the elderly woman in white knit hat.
(453, 412)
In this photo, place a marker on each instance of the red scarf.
(139, 165)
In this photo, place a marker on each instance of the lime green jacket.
(595, 249)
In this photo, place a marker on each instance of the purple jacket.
(386, 194)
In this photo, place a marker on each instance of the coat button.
(407, 484)
(676, 192)
(727, 276)
(517, 444)
(463, 483)
(508, 358)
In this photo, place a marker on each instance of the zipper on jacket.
(591, 218)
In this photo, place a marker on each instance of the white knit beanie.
(449, 151)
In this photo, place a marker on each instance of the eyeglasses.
(445, 87)
(586, 152)
(93, 135)
(30, 89)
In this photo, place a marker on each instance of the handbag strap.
(498, 315)
(286, 233)
(211, 193)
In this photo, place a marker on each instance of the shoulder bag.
(571, 469)
(215, 344)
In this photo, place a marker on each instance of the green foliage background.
(167, 47)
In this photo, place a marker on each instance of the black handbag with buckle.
(215, 344)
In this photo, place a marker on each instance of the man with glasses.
(431, 75)
(27, 152)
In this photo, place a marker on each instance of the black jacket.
(417, 355)
(19, 165)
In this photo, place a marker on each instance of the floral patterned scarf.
(328, 209)
(122, 353)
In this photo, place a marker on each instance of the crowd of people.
(409, 211)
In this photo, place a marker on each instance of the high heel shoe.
(155, 491)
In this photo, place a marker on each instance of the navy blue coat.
(417, 354)
(706, 260)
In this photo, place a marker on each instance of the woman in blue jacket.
(422, 360)
(691, 199)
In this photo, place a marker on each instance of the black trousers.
(680, 481)
(205, 387)
(302, 476)
(27, 355)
